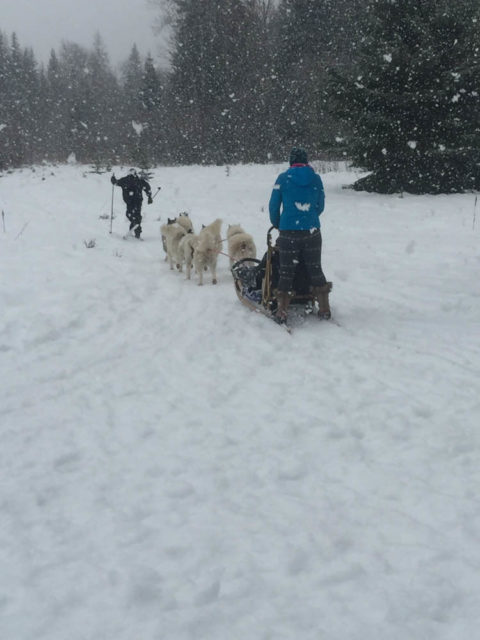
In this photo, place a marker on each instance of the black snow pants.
(134, 214)
(300, 246)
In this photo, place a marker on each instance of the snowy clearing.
(175, 467)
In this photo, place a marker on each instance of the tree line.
(391, 84)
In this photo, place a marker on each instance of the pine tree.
(88, 94)
(56, 136)
(73, 61)
(14, 134)
(189, 92)
(4, 111)
(253, 132)
(311, 38)
(150, 133)
(413, 100)
(103, 97)
(29, 108)
(215, 65)
(42, 114)
(19, 104)
(130, 107)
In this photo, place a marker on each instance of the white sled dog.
(172, 233)
(164, 237)
(206, 252)
(183, 219)
(186, 250)
(240, 244)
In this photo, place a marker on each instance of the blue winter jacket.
(297, 199)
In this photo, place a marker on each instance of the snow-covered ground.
(176, 467)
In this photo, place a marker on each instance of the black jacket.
(132, 187)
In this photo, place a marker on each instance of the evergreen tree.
(311, 38)
(14, 133)
(214, 64)
(4, 112)
(74, 79)
(253, 132)
(130, 107)
(42, 143)
(19, 104)
(413, 100)
(57, 116)
(102, 99)
(88, 95)
(194, 78)
(150, 135)
(29, 109)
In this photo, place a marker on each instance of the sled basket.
(255, 282)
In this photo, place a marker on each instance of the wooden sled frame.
(268, 301)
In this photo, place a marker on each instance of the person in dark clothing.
(297, 200)
(132, 187)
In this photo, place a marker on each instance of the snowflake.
(138, 127)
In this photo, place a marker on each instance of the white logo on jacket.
(303, 206)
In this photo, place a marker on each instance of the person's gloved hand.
(113, 180)
(150, 199)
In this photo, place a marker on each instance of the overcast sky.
(43, 24)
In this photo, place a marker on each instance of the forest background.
(247, 79)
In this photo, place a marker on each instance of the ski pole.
(111, 210)
(3, 221)
(156, 192)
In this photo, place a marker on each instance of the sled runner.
(255, 284)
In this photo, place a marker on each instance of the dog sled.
(255, 285)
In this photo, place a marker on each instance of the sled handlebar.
(269, 236)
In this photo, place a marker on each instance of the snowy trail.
(177, 467)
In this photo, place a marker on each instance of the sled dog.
(164, 237)
(172, 232)
(240, 244)
(186, 249)
(208, 245)
(183, 219)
